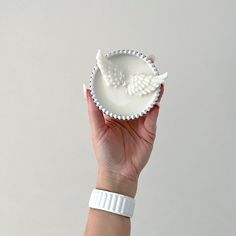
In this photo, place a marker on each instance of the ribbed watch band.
(112, 202)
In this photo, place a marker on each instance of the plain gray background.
(47, 165)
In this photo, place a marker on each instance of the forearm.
(102, 223)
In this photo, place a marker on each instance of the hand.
(122, 148)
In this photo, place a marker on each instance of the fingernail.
(84, 91)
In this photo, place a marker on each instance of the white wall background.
(47, 166)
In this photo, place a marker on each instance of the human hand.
(122, 148)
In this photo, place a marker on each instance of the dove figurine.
(136, 84)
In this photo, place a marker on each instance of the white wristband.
(112, 202)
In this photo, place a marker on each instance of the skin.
(122, 149)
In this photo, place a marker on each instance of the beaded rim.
(117, 116)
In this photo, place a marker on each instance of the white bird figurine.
(136, 84)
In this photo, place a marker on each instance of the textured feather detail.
(137, 84)
(111, 73)
(143, 84)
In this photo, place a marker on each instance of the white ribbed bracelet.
(112, 202)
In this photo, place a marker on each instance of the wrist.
(113, 182)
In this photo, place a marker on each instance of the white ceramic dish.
(116, 102)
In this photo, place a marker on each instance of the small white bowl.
(115, 102)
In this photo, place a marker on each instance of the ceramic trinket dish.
(125, 84)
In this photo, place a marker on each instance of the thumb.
(151, 118)
(96, 118)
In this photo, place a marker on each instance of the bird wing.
(143, 84)
(111, 73)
